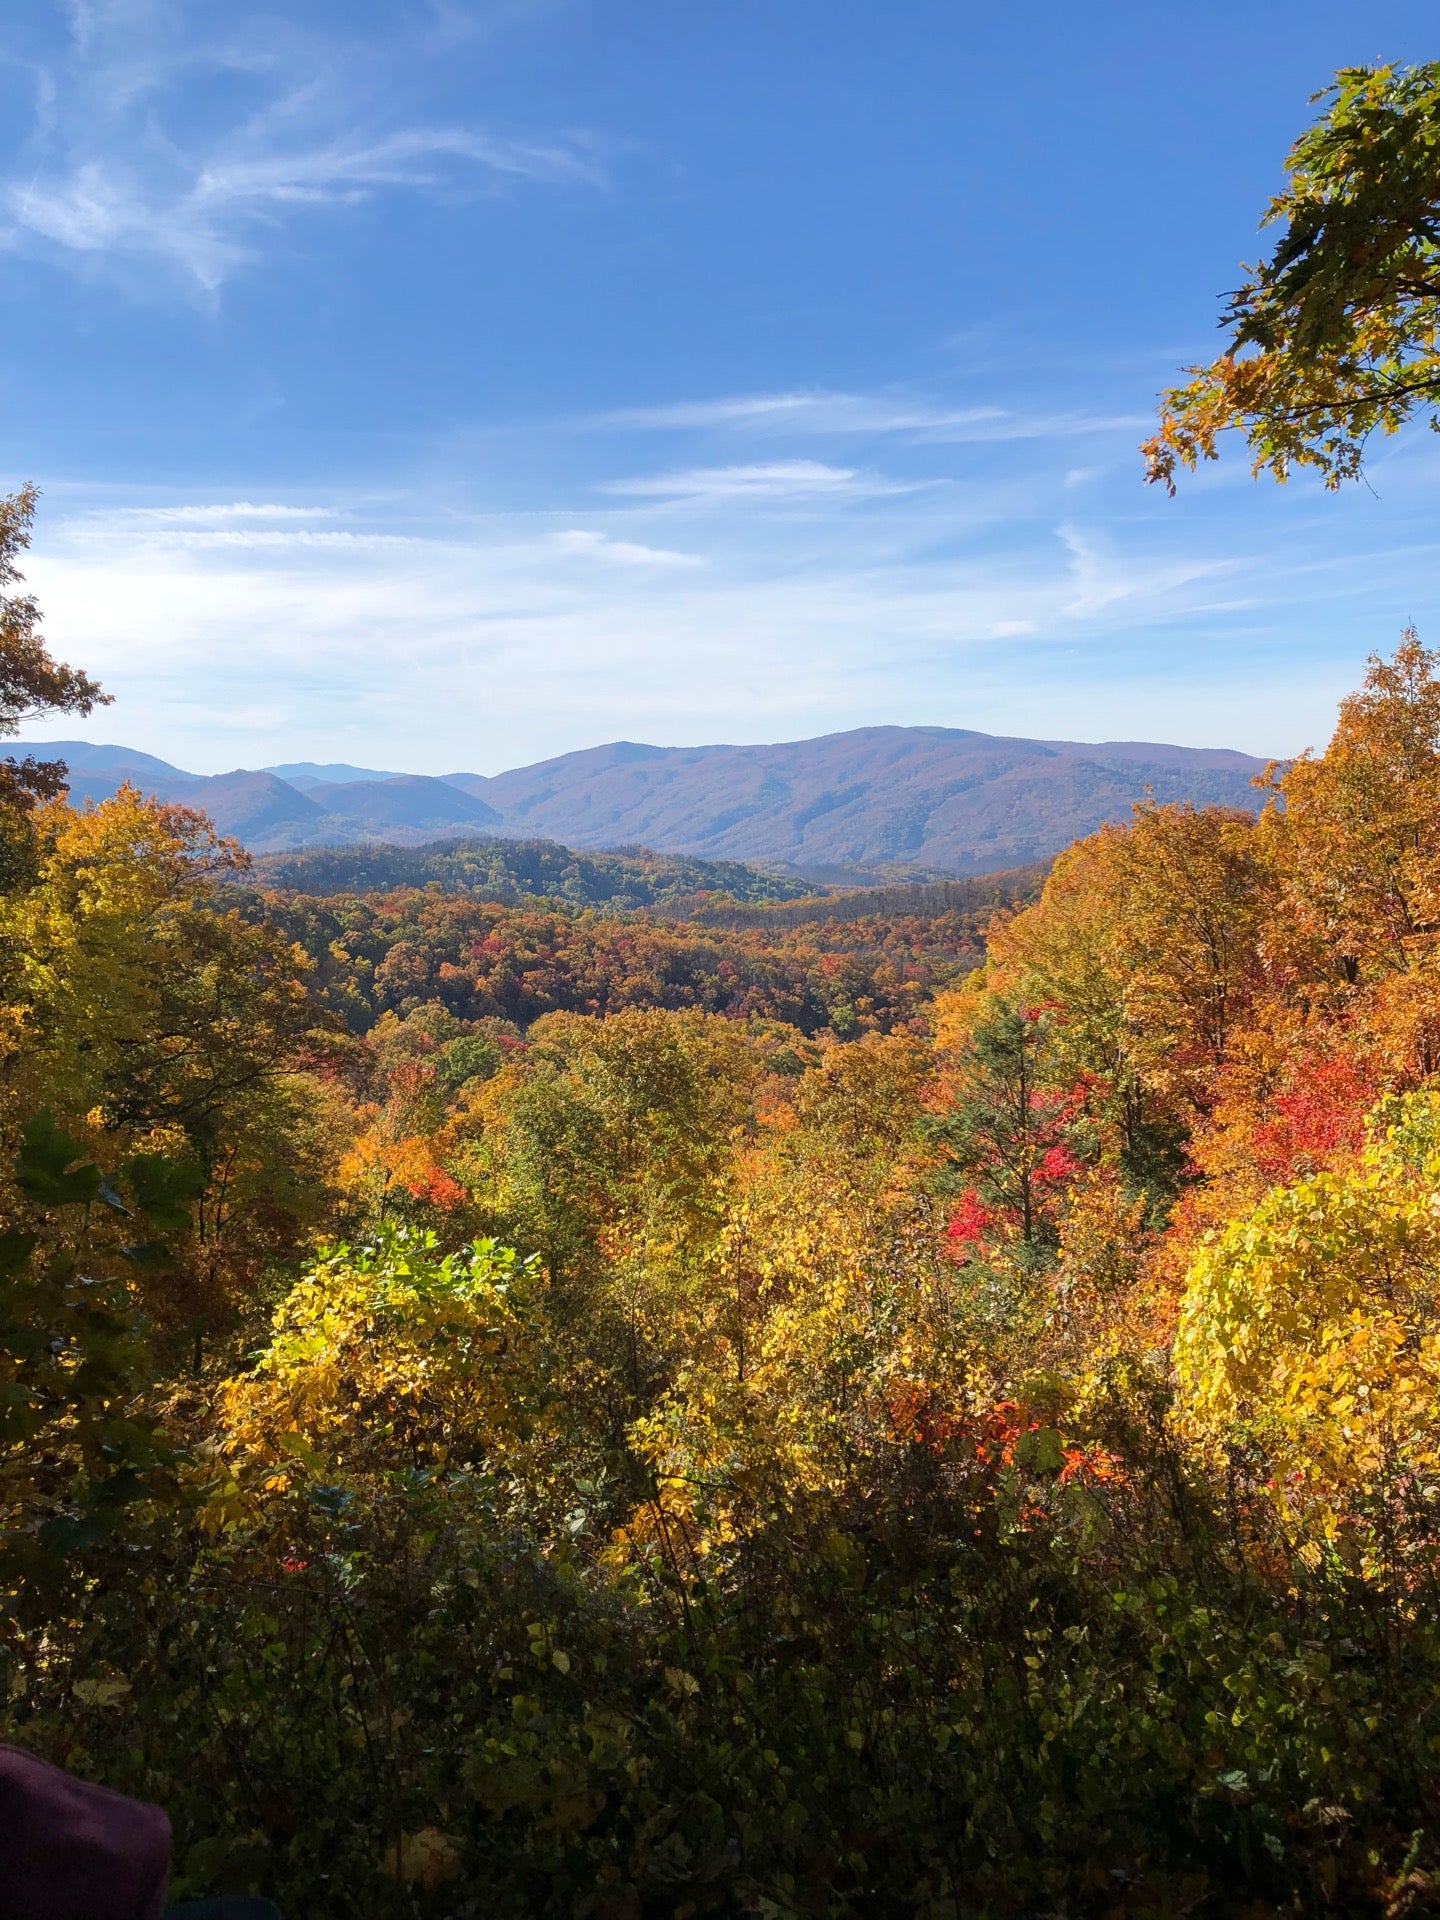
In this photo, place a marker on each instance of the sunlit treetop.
(1337, 334)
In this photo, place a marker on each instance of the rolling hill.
(877, 800)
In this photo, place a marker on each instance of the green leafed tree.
(33, 685)
(1009, 1133)
(80, 1450)
(1337, 335)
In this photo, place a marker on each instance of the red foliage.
(972, 1222)
(1091, 1465)
(1318, 1119)
(439, 1189)
(1057, 1164)
(918, 1417)
(968, 1225)
(410, 1079)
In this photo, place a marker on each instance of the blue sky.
(448, 385)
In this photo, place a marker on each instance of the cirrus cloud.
(764, 480)
(118, 167)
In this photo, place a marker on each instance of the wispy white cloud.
(821, 412)
(194, 529)
(299, 538)
(587, 544)
(217, 515)
(1102, 579)
(768, 480)
(120, 167)
(747, 409)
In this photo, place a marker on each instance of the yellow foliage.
(1403, 1018)
(1310, 1329)
(389, 1351)
(143, 1017)
(1103, 1236)
(952, 1015)
(827, 1290)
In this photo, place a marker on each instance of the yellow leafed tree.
(1309, 1332)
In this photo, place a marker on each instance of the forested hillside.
(401, 952)
(514, 870)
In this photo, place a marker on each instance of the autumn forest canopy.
(591, 1397)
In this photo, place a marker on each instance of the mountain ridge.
(946, 800)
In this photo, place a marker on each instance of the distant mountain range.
(879, 800)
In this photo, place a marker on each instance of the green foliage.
(609, 1151)
(882, 908)
(512, 871)
(945, 1685)
(78, 1447)
(1010, 1134)
(32, 684)
(1334, 337)
(469, 1056)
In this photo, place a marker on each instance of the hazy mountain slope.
(256, 808)
(935, 797)
(940, 800)
(306, 774)
(266, 812)
(412, 802)
(81, 756)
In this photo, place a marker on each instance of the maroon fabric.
(71, 1851)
